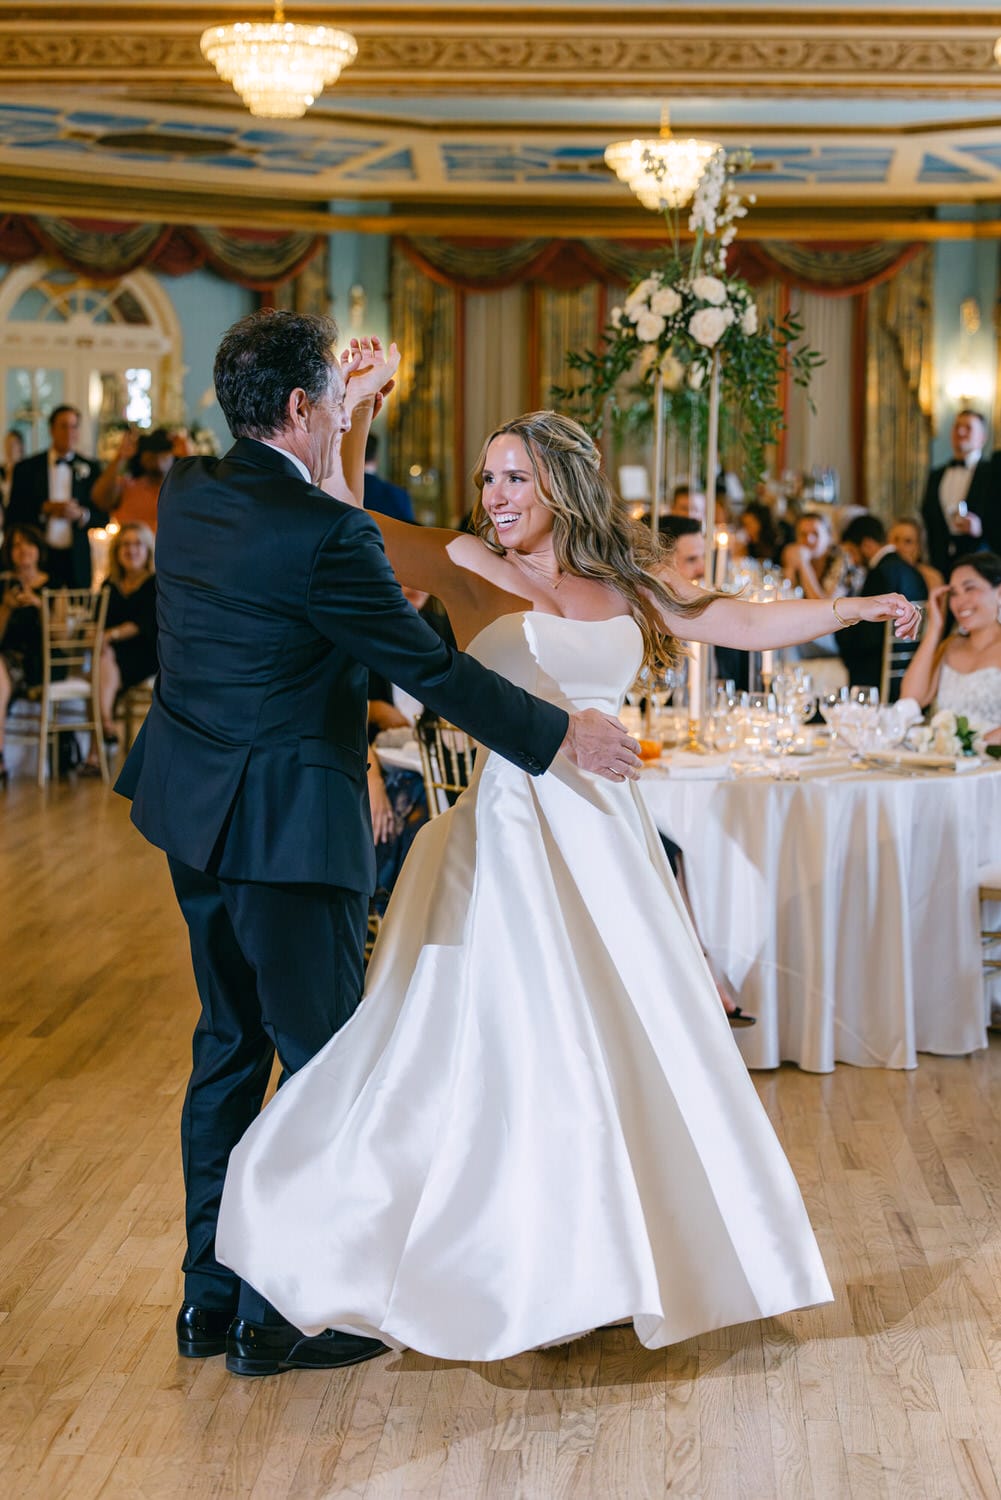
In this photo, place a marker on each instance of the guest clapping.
(20, 621)
(962, 671)
(130, 486)
(129, 653)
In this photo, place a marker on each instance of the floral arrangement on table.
(949, 734)
(678, 317)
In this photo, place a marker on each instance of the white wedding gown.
(537, 1121)
(975, 694)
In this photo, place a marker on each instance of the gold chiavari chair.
(447, 755)
(990, 890)
(72, 637)
(897, 657)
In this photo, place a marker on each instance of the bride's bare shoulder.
(474, 556)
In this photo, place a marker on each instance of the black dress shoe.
(201, 1331)
(739, 1018)
(252, 1349)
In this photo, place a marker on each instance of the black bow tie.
(67, 461)
(956, 463)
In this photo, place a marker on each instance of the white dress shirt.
(291, 457)
(954, 486)
(58, 529)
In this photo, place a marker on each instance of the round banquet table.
(842, 907)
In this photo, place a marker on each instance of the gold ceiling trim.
(510, 51)
(806, 221)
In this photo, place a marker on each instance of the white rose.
(920, 739)
(709, 289)
(639, 298)
(944, 719)
(649, 327)
(749, 320)
(615, 317)
(944, 742)
(707, 326)
(666, 302)
(729, 315)
(672, 372)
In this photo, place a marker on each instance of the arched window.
(112, 349)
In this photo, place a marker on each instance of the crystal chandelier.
(664, 172)
(278, 69)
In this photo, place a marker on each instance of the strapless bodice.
(977, 695)
(573, 663)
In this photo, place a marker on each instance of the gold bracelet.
(846, 623)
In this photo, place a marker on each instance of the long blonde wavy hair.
(593, 534)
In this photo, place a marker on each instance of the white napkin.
(685, 765)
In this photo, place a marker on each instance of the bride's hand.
(906, 616)
(938, 603)
(598, 743)
(369, 372)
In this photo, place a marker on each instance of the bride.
(963, 671)
(537, 1122)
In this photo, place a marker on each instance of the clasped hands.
(369, 372)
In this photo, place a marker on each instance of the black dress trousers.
(279, 969)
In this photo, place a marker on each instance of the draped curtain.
(425, 416)
(898, 382)
(257, 259)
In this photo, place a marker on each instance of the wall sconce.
(357, 303)
(967, 385)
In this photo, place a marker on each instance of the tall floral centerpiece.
(686, 341)
(689, 318)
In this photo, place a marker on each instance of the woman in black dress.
(129, 654)
(20, 620)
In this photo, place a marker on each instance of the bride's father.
(274, 600)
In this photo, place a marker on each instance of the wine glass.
(866, 697)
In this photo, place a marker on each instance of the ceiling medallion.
(663, 172)
(278, 68)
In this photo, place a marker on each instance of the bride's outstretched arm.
(789, 622)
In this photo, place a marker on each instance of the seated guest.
(686, 501)
(13, 452)
(685, 550)
(962, 671)
(20, 621)
(822, 570)
(684, 545)
(886, 572)
(813, 563)
(52, 491)
(129, 654)
(908, 535)
(388, 499)
(130, 486)
(761, 537)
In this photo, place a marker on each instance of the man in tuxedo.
(51, 490)
(274, 601)
(962, 503)
(861, 647)
(384, 498)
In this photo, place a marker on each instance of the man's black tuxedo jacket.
(274, 600)
(983, 498)
(29, 490)
(861, 646)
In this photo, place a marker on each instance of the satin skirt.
(537, 1121)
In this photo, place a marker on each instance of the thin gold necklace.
(540, 572)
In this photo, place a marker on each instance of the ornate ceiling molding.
(450, 49)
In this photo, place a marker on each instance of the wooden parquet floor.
(891, 1391)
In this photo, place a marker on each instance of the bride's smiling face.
(972, 600)
(521, 518)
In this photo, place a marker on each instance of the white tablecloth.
(842, 907)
